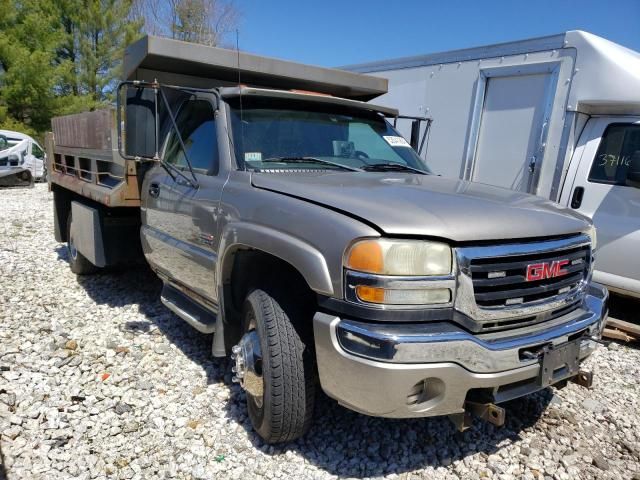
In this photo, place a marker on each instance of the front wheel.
(275, 368)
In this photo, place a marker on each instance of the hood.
(428, 205)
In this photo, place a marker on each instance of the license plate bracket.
(559, 362)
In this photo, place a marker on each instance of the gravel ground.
(99, 380)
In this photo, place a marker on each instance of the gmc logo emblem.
(541, 271)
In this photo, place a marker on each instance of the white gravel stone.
(140, 397)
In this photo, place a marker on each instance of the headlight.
(395, 272)
(594, 237)
(400, 257)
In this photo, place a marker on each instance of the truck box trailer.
(309, 238)
(556, 116)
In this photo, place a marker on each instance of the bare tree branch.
(208, 22)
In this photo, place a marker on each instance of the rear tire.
(285, 411)
(78, 262)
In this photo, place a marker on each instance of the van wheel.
(78, 262)
(275, 368)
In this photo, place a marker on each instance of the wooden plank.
(616, 335)
(628, 327)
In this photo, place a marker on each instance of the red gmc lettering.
(541, 271)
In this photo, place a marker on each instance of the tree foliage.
(59, 56)
(65, 56)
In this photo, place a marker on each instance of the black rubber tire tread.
(79, 265)
(287, 369)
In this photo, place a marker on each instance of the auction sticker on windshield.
(253, 157)
(396, 141)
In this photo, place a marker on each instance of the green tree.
(28, 74)
(103, 28)
(59, 57)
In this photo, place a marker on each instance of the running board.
(191, 312)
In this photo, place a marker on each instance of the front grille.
(3, 162)
(501, 281)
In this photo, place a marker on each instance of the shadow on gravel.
(341, 442)
(624, 308)
(3, 470)
(348, 444)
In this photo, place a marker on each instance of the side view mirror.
(633, 170)
(415, 134)
(138, 120)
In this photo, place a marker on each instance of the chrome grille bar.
(493, 289)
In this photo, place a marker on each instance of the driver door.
(180, 218)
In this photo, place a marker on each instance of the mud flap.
(87, 233)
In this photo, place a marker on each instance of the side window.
(196, 123)
(618, 154)
(37, 151)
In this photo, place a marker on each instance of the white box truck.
(556, 116)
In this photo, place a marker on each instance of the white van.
(556, 116)
(21, 157)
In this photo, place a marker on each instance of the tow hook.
(486, 411)
(583, 378)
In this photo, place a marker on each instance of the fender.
(301, 255)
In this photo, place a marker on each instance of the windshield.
(284, 134)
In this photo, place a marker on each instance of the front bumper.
(432, 369)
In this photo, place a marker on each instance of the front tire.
(78, 262)
(284, 410)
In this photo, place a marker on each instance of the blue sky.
(342, 32)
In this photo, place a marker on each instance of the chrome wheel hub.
(247, 368)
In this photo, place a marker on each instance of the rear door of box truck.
(513, 119)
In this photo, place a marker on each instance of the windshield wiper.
(392, 167)
(309, 160)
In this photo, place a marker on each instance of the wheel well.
(249, 269)
(61, 207)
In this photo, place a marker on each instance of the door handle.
(576, 198)
(154, 190)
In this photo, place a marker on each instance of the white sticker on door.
(396, 141)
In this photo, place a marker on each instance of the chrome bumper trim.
(451, 365)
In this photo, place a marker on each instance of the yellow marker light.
(366, 256)
(370, 294)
